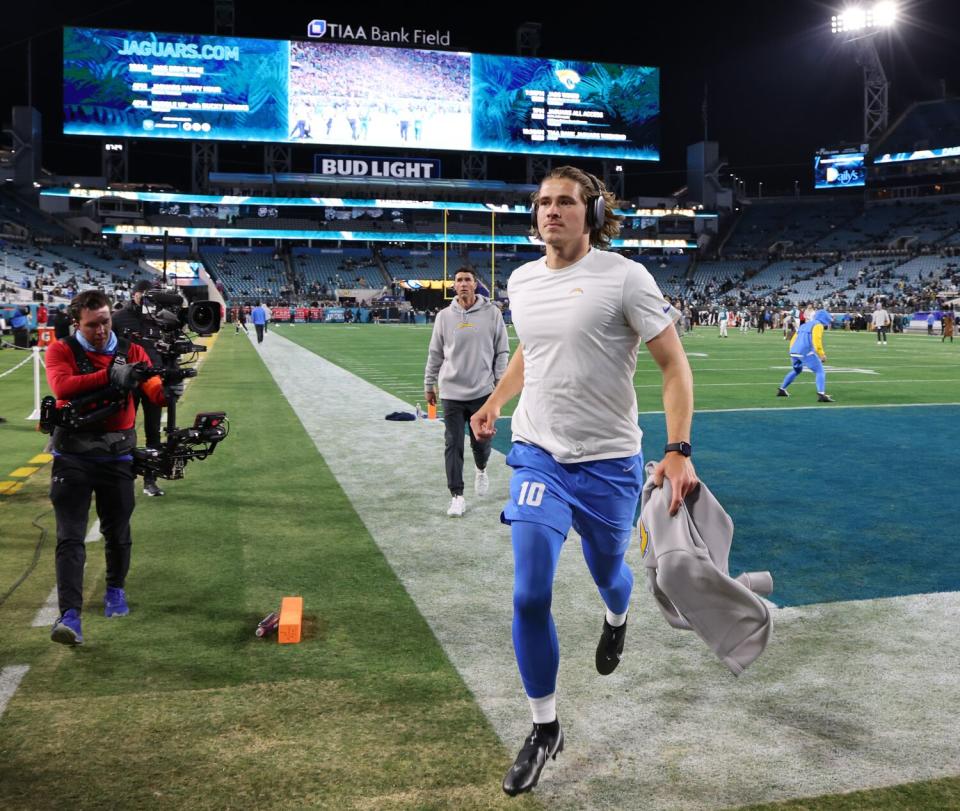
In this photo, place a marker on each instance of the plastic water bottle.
(419, 413)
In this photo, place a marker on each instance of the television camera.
(166, 320)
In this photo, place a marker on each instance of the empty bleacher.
(337, 268)
(420, 264)
(15, 210)
(720, 271)
(246, 273)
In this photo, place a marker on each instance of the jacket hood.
(823, 317)
(479, 304)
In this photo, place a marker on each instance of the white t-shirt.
(580, 328)
(880, 318)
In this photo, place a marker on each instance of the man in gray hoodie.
(468, 355)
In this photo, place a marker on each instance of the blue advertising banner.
(124, 84)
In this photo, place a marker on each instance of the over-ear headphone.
(596, 206)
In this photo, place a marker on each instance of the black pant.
(151, 424)
(151, 418)
(259, 333)
(455, 414)
(73, 482)
(881, 334)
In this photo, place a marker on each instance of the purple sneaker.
(115, 603)
(66, 630)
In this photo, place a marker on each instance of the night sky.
(779, 84)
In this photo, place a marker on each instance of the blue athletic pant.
(812, 362)
(536, 550)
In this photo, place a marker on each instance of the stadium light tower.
(860, 25)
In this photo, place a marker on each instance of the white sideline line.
(831, 407)
(10, 678)
(886, 382)
(48, 612)
(50, 609)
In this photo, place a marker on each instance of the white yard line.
(10, 678)
(787, 409)
(94, 534)
(48, 612)
(830, 383)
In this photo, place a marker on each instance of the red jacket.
(66, 381)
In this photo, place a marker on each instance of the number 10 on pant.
(531, 493)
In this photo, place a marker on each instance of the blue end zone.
(839, 504)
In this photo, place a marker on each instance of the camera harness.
(106, 401)
(84, 366)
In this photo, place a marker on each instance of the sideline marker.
(291, 620)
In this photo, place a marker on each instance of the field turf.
(179, 705)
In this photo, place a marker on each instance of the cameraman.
(95, 459)
(131, 320)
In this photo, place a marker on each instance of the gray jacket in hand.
(687, 572)
(468, 351)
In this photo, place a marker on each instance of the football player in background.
(806, 349)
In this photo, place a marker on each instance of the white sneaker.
(457, 506)
(481, 484)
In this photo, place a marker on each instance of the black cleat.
(824, 398)
(782, 393)
(543, 743)
(610, 647)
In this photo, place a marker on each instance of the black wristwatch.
(678, 447)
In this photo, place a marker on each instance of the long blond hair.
(590, 186)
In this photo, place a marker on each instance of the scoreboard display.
(834, 169)
(156, 85)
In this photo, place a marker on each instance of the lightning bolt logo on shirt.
(464, 324)
(644, 539)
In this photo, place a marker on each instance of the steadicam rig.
(183, 444)
(167, 319)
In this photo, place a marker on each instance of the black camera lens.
(203, 317)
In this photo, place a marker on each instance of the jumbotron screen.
(150, 85)
(839, 170)
(919, 155)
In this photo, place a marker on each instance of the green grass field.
(742, 371)
(179, 705)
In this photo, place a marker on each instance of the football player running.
(580, 313)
